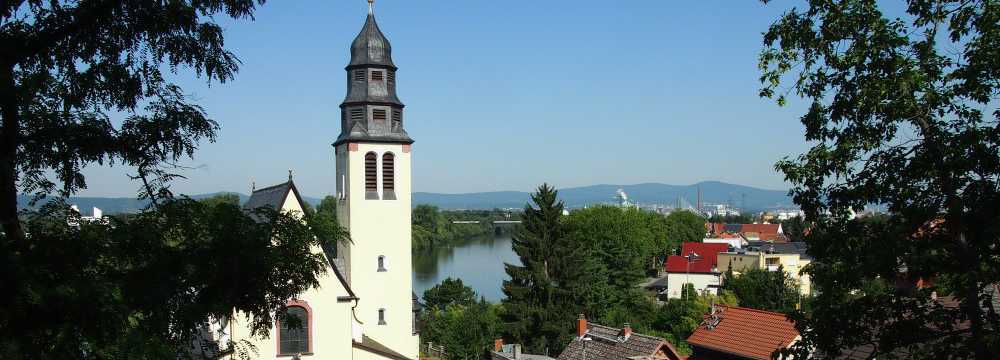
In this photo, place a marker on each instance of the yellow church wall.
(379, 227)
(331, 321)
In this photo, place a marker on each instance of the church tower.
(373, 187)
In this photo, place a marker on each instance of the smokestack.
(497, 345)
(627, 330)
(581, 326)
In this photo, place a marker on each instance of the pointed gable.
(275, 197)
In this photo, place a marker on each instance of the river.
(479, 262)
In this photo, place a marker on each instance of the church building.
(364, 307)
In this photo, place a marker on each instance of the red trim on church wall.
(406, 148)
(352, 147)
(309, 323)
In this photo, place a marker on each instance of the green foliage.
(686, 226)
(455, 319)
(591, 263)
(902, 113)
(81, 84)
(142, 286)
(466, 331)
(538, 309)
(764, 290)
(433, 227)
(795, 228)
(732, 219)
(324, 223)
(224, 198)
(449, 292)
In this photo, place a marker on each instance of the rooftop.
(707, 252)
(743, 332)
(603, 342)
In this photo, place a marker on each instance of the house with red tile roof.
(698, 264)
(741, 333)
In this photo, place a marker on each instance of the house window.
(293, 331)
(377, 76)
(381, 263)
(371, 173)
(381, 316)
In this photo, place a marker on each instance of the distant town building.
(96, 215)
(721, 210)
(790, 257)
(749, 232)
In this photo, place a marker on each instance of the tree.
(449, 292)
(81, 84)
(324, 223)
(732, 219)
(764, 290)
(902, 114)
(686, 226)
(795, 228)
(145, 284)
(224, 198)
(538, 313)
(466, 331)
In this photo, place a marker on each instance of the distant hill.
(651, 193)
(712, 192)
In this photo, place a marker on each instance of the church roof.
(372, 346)
(371, 47)
(272, 196)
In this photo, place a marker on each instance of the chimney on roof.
(581, 326)
(627, 330)
(497, 345)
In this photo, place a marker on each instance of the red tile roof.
(709, 254)
(715, 228)
(744, 332)
(762, 229)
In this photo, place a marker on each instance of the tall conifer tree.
(537, 311)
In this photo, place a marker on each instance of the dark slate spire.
(371, 112)
(371, 47)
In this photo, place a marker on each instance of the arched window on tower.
(388, 176)
(371, 176)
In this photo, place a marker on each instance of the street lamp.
(691, 257)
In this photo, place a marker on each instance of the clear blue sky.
(502, 95)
